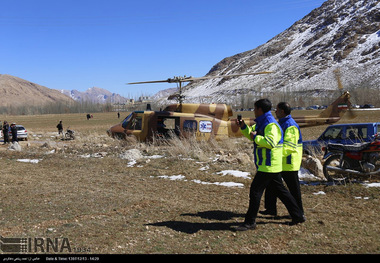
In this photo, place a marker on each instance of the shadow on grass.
(193, 227)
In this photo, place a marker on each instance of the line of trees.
(56, 108)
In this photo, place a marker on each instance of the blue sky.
(78, 44)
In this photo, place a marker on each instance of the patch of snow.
(306, 174)
(204, 168)
(182, 177)
(359, 197)
(154, 156)
(131, 163)
(29, 160)
(235, 173)
(173, 177)
(373, 185)
(319, 193)
(228, 184)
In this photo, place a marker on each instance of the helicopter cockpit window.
(136, 124)
(126, 120)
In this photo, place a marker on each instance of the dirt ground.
(105, 196)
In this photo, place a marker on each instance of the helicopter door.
(167, 126)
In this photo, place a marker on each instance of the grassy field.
(172, 198)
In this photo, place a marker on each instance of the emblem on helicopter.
(205, 126)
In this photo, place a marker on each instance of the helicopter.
(205, 121)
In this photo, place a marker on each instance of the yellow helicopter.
(205, 121)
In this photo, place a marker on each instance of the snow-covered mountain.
(341, 34)
(164, 94)
(95, 95)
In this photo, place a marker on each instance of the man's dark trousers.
(259, 183)
(292, 181)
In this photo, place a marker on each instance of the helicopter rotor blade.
(153, 81)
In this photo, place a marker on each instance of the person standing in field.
(6, 132)
(14, 132)
(291, 160)
(60, 128)
(267, 138)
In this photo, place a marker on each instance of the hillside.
(341, 34)
(17, 92)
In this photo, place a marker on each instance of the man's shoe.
(297, 221)
(268, 212)
(245, 227)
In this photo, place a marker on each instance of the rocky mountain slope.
(341, 34)
(95, 95)
(17, 92)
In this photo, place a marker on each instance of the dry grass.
(85, 192)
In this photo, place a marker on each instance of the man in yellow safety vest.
(267, 138)
(291, 160)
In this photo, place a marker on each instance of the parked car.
(367, 106)
(22, 133)
(349, 133)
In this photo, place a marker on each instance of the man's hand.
(253, 135)
(240, 123)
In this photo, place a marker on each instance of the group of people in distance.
(5, 128)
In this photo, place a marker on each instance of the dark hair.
(264, 104)
(285, 107)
